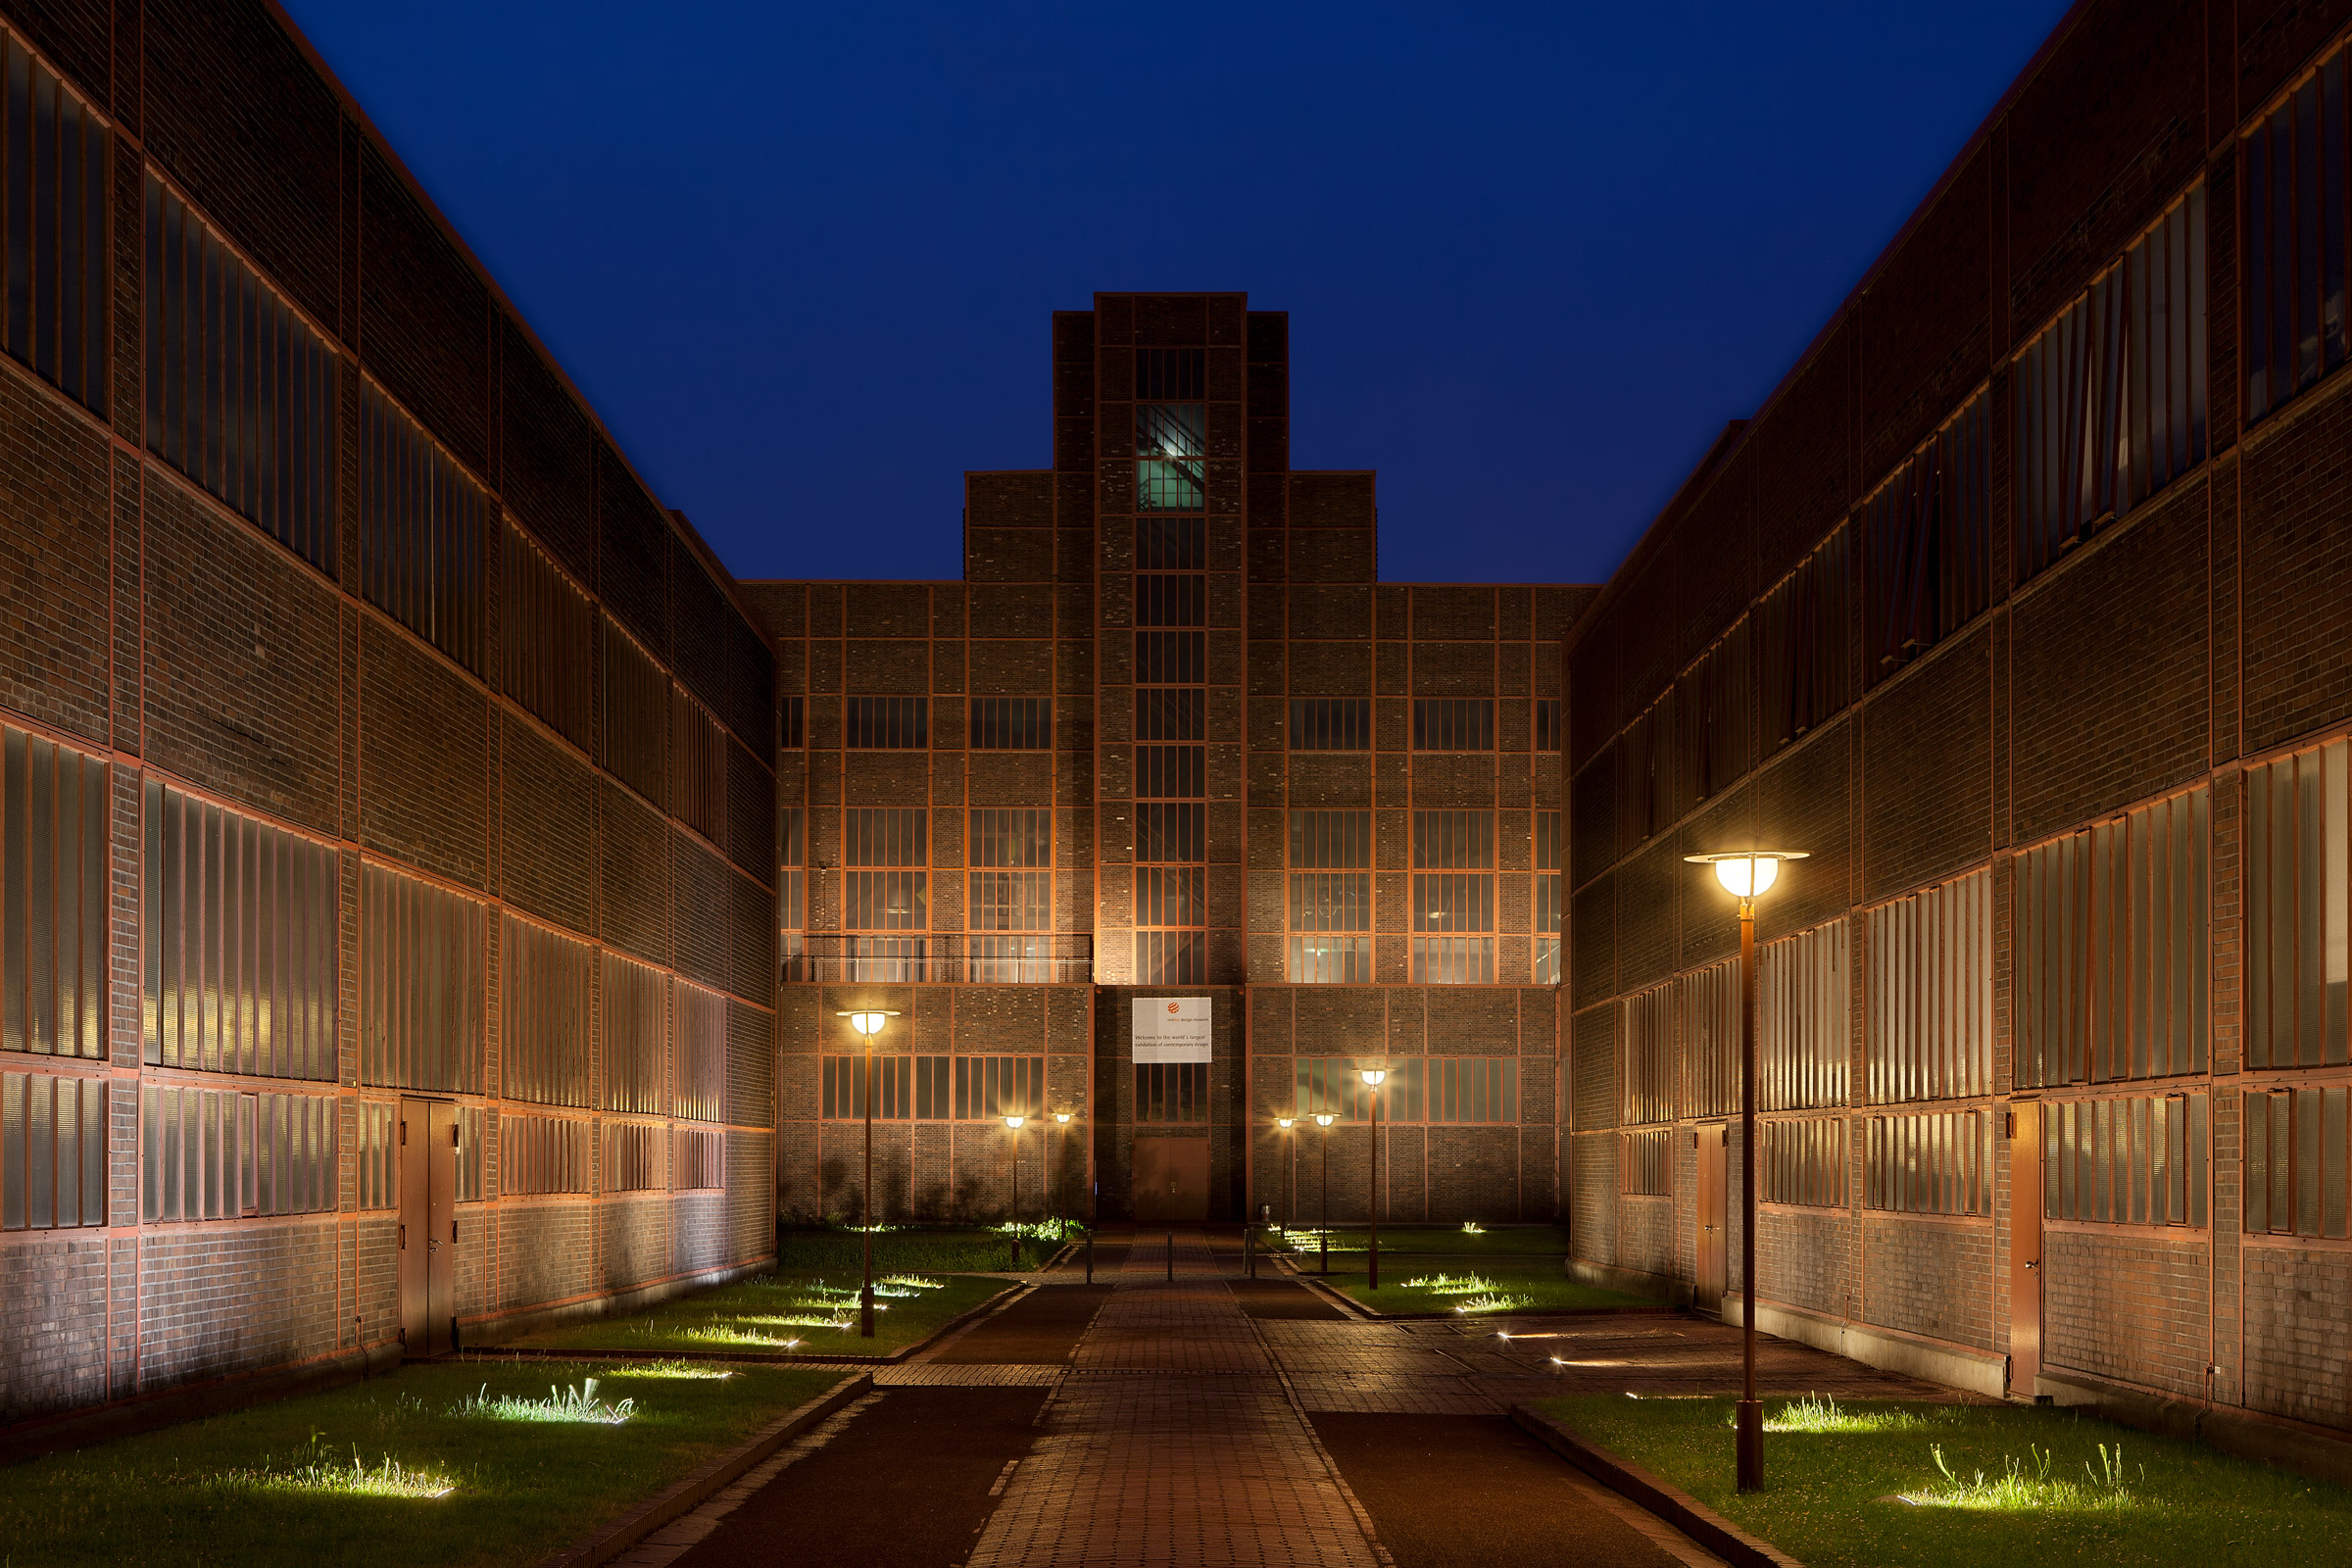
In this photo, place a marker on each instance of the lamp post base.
(866, 1313)
(1752, 1445)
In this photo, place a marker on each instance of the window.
(1170, 658)
(702, 1161)
(215, 1154)
(1929, 1006)
(547, 641)
(1171, 1091)
(1646, 1036)
(1172, 376)
(2140, 1162)
(2295, 179)
(886, 723)
(1547, 724)
(2110, 965)
(421, 532)
(2111, 396)
(1804, 1163)
(1011, 889)
(1171, 544)
(905, 1087)
(884, 900)
(1171, 599)
(1550, 899)
(241, 392)
(420, 984)
(54, 827)
(634, 1018)
(792, 723)
(1801, 1020)
(633, 1158)
(1454, 725)
(1164, 713)
(375, 1165)
(1927, 541)
(473, 1163)
(1331, 724)
(543, 1038)
(1940, 1163)
(792, 891)
(52, 1152)
(2296, 908)
(1708, 1001)
(1471, 1089)
(1649, 1163)
(1334, 1086)
(542, 1154)
(697, 791)
(1013, 724)
(2294, 1175)
(637, 716)
(988, 1088)
(1170, 429)
(1453, 893)
(1800, 646)
(55, 179)
(1645, 779)
(1712, 709)
(1330, 899)
(1170, 772)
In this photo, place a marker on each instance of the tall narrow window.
(2295, 963)
(1453, 898)
(1552, 899)
(54, 903)
(1707, 1002)
(56, 161)
(1171, 429)
(547, 637)
(1647, 779)
(1647, 1056)
(1011, 891)
(1801, 1012)
(420, 984)
(883, 883)
(1801, 647)
(2296, 176)
(1927, 541)
(421, 532)
(1330, 899)
(792, 893)
(545, 981)
(2111, 396)
(1548, 732)
(241, 390)
(1930, 993)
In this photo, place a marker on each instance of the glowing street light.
(1746, 874)
(1324, 1119)
(867, 1024)
(1373, 1077)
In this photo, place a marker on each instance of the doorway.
(1713, 1270)
(1171, 1180)
(428, 1226)
(2025, 1246)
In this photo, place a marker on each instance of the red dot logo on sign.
(1171, 1010)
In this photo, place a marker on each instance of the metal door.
(428, 1226)
(1171, 1180)
(1714, 1219)
(2025, 1246)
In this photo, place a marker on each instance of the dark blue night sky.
(802, 257)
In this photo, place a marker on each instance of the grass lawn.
(277, 1485)
(1472, 1287)
(1518, 1241)
(797, 1314)
(2169, 1503)
(832, 1251)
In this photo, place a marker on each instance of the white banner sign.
(1171, 1029)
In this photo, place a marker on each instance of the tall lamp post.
(1289, 1170)
(1324, 1119)
(1061, 1119)
(1014, 1123)
(867, 1024)
(1746, 874)
(1372, 1080)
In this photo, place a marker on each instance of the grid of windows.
(1170, 760)
(1927, 541)
(2111, 938)
(1331, 724)
(1800, 647)
(886, 723)
(1801, 1010)
(882, 888)
(1648, 1163)
(215, 1154)
(1454, 725)
(2111, 396)
(2295, 176)
(1453, 898)
(1011, 724)
(55, 172)
(1930, 993)
(1171, 1091)
(1171, 429)
(52, 1152)
(933, 1088)
(1645, 1056)
(1804, 1163)
(1011, 890)
(2139, 1161)
(2295, 1166)
(1418, 1089)
(1330, 898)
(1940, 1163)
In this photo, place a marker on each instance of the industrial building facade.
(1170, 736)
(386, 781)
(2019, 608)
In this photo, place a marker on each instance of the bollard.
(1090, 1258)
(1171, 1257)
(1249, 1250)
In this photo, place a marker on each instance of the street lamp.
(1372, 1080)
(1324, 1119)
(1746, 874)
(1061, 1119)
(1289, 1170)
(868, 1025)
(1014, 1122)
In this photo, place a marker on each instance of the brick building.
(1170, 736)
(2018, 606)
(386, 793)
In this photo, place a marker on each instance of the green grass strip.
(1485, 1287)
(797, 1314)
(448, 1464)
(1860, 1485)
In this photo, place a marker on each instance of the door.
(1171, 1181)
(1714, 1218)
(428, 1226)
(2025, 1246)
